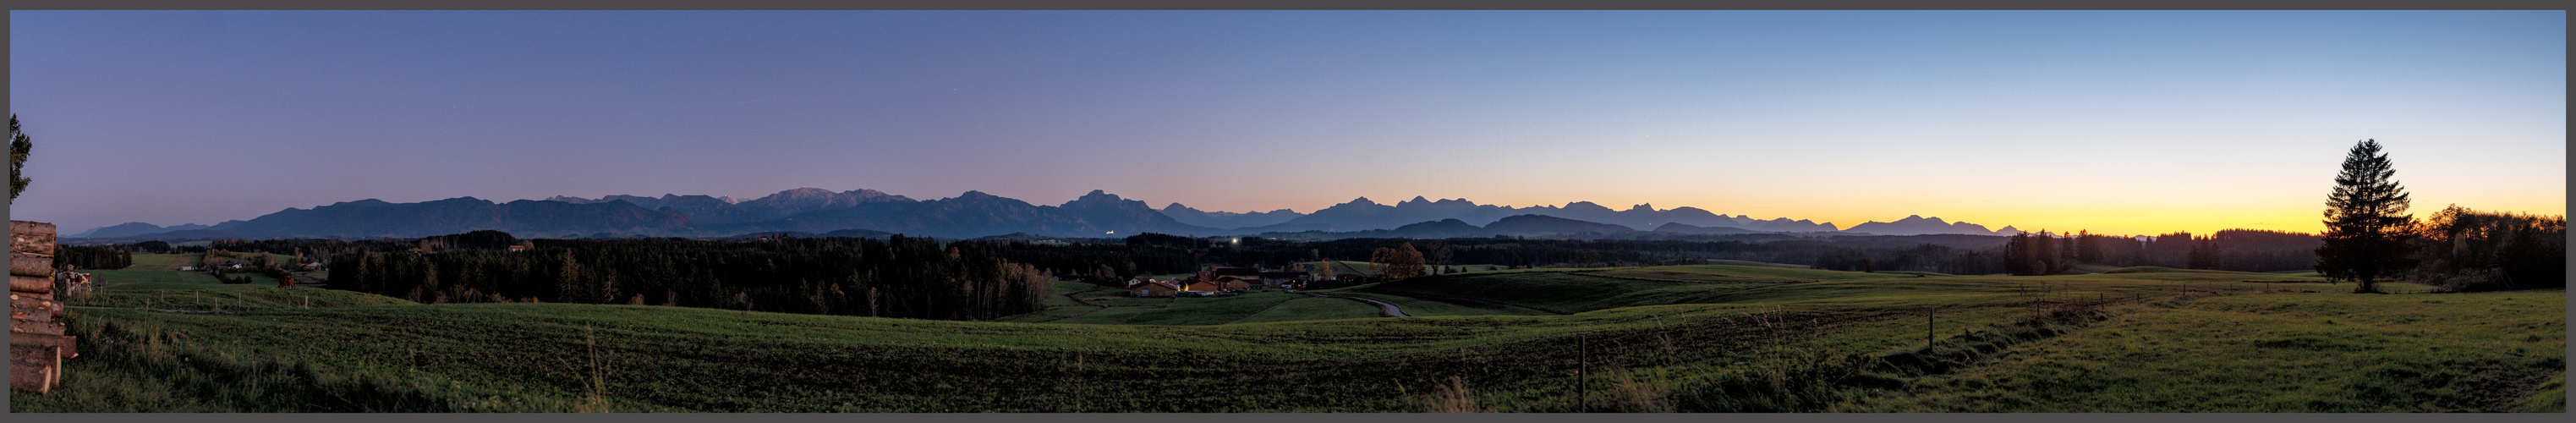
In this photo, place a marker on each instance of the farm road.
(1390, 309)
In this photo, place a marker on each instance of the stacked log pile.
(37, 345)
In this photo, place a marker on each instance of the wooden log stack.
(37, 345)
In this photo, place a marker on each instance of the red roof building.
(1150, 289)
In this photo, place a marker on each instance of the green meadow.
(1707, 338)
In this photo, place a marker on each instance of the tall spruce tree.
(19, 144)
(2204, 254)
(2017, 255)
(2365, 218)
(2088, 247)
(2044, 252)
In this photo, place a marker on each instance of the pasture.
(1672, 338)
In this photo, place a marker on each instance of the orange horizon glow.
(2118, 218)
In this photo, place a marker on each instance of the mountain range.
(977, 214)
(1516, 225)
(1919, 225)
(132, 228)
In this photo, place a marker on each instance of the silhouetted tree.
(2254, 250)
(2088, 247)
(2365, 220)
(1436, 253)
(2044, 251)
(483, 239)
(76, 257)
(2017, 256)
(2066, 256)
(2204, 254)
(2462, 249)
(19, 145)
(1396, 263)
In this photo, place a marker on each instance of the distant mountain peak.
(1100, 195)
(1919, 225)
(117, 230)
(1224, 219)
(1585, 206)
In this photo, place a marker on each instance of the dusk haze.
(2131, 123)
(1288, 211)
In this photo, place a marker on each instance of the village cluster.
(1221, 282)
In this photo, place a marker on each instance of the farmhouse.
(1209, 286)
(1150, 289)
(1233, 283)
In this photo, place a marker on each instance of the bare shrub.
(1637, 396)
(1453, 398)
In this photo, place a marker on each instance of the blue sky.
(2120, 122)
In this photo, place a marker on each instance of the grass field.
(1677, 338)
(1211, 311)
(1757, 263)
(2281, 353)
(1426, 308)
(1313, 308)
(1079, 303)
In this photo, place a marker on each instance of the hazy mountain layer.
(1226, 219)
(376, 218)
(1527, 225)
(726, 210)
(1918, 225)
(976, 214)
(1362, 214)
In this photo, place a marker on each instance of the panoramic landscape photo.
(1288, 211)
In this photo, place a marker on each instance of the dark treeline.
(314, 249)
(1929, 253)
(2027, 254)
(898, 277)
(1100, 263)
(75, 257)
(151, 247)
(2244, 250)
(2249, 250)
(2464, 249)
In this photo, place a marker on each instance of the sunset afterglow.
(2105, 121)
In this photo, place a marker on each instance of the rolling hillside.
(2178, 341)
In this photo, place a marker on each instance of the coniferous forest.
(898, 277)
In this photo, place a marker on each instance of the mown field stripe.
(1257, 313)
